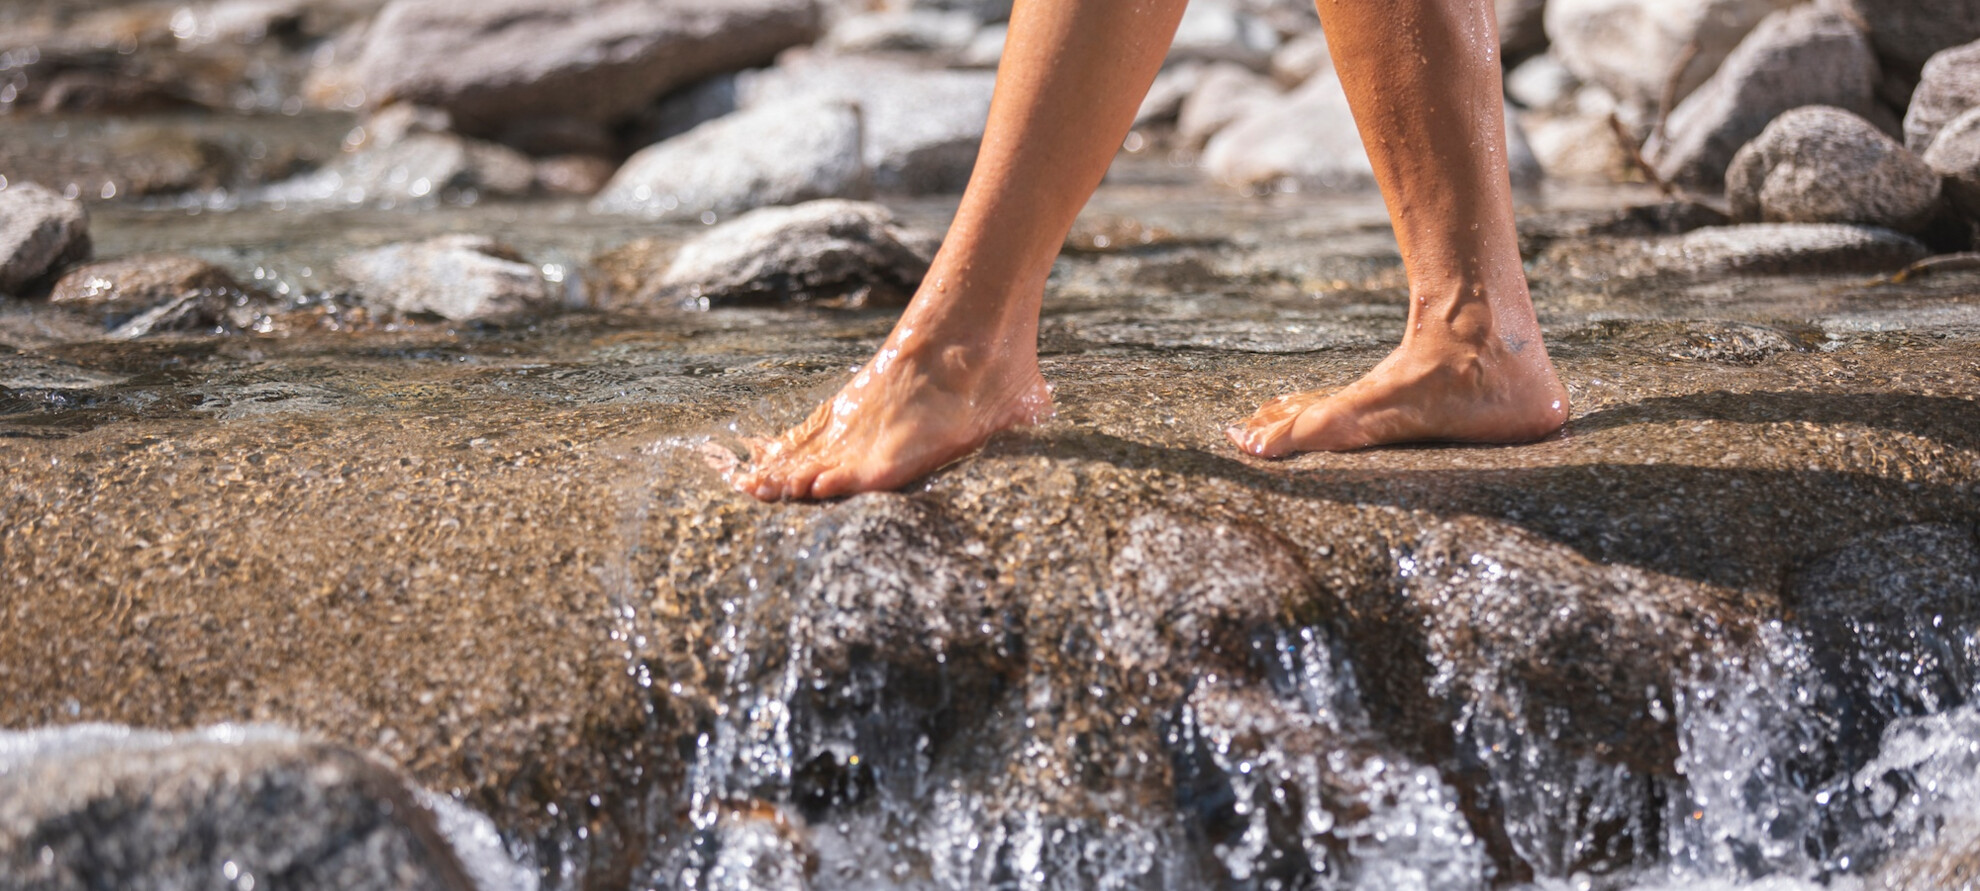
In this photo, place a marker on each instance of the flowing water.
(1720, 635)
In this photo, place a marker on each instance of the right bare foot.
(908, 412)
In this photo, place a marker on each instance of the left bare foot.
(1482, 389)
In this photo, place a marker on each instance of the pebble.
(841, 253)
(454, 277)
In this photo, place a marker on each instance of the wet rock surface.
(828, 252)
(498, 558)
(1825, 165)
(147, 294)
(39, 231)
(456, 277)
(244, 807)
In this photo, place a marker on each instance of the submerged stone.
(153, 293)
(454, 277)
(101, 807)
(823, 252)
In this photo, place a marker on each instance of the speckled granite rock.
(771, 154)
(1824, 165)
(1949, 87)
(831, 252)
(1955, 156)
(1631, 47)
(1804, 56)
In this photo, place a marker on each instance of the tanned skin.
(1424, 80)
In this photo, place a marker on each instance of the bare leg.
(1424, 81)
(962, 362)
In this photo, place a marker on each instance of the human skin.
(1424, 81)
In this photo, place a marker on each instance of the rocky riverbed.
(361, 525)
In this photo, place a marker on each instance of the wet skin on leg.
(962, 362)
(1424, 81)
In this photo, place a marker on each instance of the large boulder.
(1906, 33)
(1955, 157)
(841, 252)
(777, 153)
(1950, 86)
(495, 62)
(922, 127)
(1825, 165)
(39, 232)
(1802, 56)
(1634, 47)
(102, 807)
(455, 277)
(1309, 139)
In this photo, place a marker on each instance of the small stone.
(1307, 140)
(1955, 157)
(1301, 58)
(1542, 83)
(152, 293)
(454, 277)
(580, 175)
(986, 49)
(921, 30)
(1166, 95)
(1825, 165)
(1949, 86)
(497, 61)
(1803, 56)
(40, 232)
(922, 127)
(839, 253)
(417, 167)
(1575, 148)
(1226, 93)
(1217, 31)
(1633, 47)
(775, 153)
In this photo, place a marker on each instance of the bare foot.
(1426, 391)
(905, 414)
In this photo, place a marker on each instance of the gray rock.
(1949, 86)
(1825, 165)
(1542, 83)
(922, 127)
(985, 49)
(1633, 47)
(1758, 249)
(775, 153)
(1522, 29)
(686, 109)
(844, 252)
(987, 11)
(1301, 57)
(497, 61)
(455, 277)
(1955, 157)
(1575, 147)
(1308, 140)
(1166, 95)
(1218, 31)
(40, 232)
(1802, 56)
(1906, 33)
(100, 807)
(152, 293)
(1226, 93)
(918, 30)
(421, 166)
